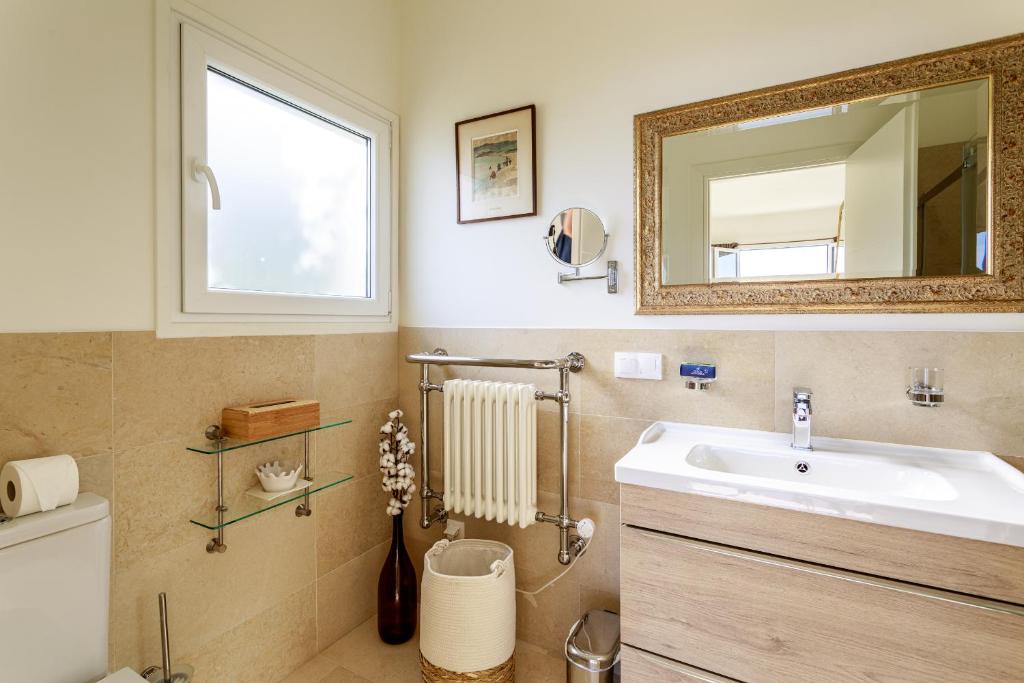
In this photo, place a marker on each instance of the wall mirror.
(892, 187)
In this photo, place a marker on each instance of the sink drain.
(802, 467)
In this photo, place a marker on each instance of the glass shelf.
(208, 447)
(244, 505)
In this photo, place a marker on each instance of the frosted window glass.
(294, 197)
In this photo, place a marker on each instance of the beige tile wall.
(125, 405)
(858, 383)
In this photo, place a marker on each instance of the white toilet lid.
(125, 675)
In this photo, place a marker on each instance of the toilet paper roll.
(37, 485)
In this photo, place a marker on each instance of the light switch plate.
(633, 365)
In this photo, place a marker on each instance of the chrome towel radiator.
(574, 362)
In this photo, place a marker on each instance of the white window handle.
(197, 169)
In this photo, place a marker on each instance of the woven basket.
(503, 673)
(468, 611)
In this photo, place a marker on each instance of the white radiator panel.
(490, 450)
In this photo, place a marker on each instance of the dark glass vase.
(396, 591)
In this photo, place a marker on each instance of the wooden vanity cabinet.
(651, 668)
(733, 591)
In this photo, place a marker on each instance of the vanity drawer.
(992, 570)
(643, 667)
(765, 619)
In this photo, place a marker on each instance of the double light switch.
(632, 365)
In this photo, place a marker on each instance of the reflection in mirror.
(893, 186)
(576, 237)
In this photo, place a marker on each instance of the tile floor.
(360, 657)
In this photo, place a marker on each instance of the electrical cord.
(529, 595)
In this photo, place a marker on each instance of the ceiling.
(788, 191)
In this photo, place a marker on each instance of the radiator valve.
(585, 529)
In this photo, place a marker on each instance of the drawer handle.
(841, 574)
(679, 667)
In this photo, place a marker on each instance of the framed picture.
(496, 167)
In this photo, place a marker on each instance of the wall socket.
(454, 529)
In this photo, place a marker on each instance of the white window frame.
(185, 305)
(830, 242)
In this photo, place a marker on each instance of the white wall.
(76, 165)
(956, 116)
(76, 134)
(589, 67)
(77, 139)
(876, 199)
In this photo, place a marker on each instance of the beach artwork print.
(495, 167)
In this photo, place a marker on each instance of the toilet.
(55, 594)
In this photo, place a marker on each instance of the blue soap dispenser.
(698, 375)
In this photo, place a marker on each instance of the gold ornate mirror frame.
(1001, 61)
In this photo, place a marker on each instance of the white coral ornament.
(397, 473)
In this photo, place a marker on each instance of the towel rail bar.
(574, 362)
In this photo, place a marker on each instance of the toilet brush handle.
(165, 638)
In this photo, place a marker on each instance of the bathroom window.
(782, 260)
(285, 191)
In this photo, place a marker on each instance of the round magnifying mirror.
(576, 237)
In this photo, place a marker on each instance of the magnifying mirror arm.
(612, 276)
(575, 275)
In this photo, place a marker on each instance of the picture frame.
(496, 166)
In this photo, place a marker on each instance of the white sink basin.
(826, 468)
(971, 494)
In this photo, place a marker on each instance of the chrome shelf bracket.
(216, 434)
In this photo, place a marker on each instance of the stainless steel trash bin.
(592, 648)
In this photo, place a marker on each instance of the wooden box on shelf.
(269, 418)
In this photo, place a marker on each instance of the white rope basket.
(468, 606)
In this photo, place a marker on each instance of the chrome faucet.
(802, 419)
